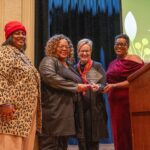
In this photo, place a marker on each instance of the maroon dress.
(118, 71)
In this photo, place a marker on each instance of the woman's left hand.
(94, 87)
(7, 112)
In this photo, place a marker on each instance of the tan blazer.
(20, 86)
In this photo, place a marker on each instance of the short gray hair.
(83, 42)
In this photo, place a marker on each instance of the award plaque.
(93, 76)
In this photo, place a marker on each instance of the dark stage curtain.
(41, 29)
(100, 27)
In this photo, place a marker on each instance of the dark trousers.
(47, 142)
(87, 145)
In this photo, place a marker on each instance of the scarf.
(85, 70)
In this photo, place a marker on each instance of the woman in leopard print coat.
(19, 92)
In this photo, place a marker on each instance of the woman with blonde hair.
(91, 116)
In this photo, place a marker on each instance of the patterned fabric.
(85, 71)
(20, 86)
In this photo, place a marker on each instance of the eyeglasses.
(121, 44)
(84, 51)
(63, 46)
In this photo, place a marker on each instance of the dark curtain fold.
(41, 28)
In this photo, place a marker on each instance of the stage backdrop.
(136, 23)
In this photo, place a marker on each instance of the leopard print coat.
(20, 86)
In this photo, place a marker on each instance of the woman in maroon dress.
(117, 89)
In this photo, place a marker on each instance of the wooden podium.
(139, 99)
